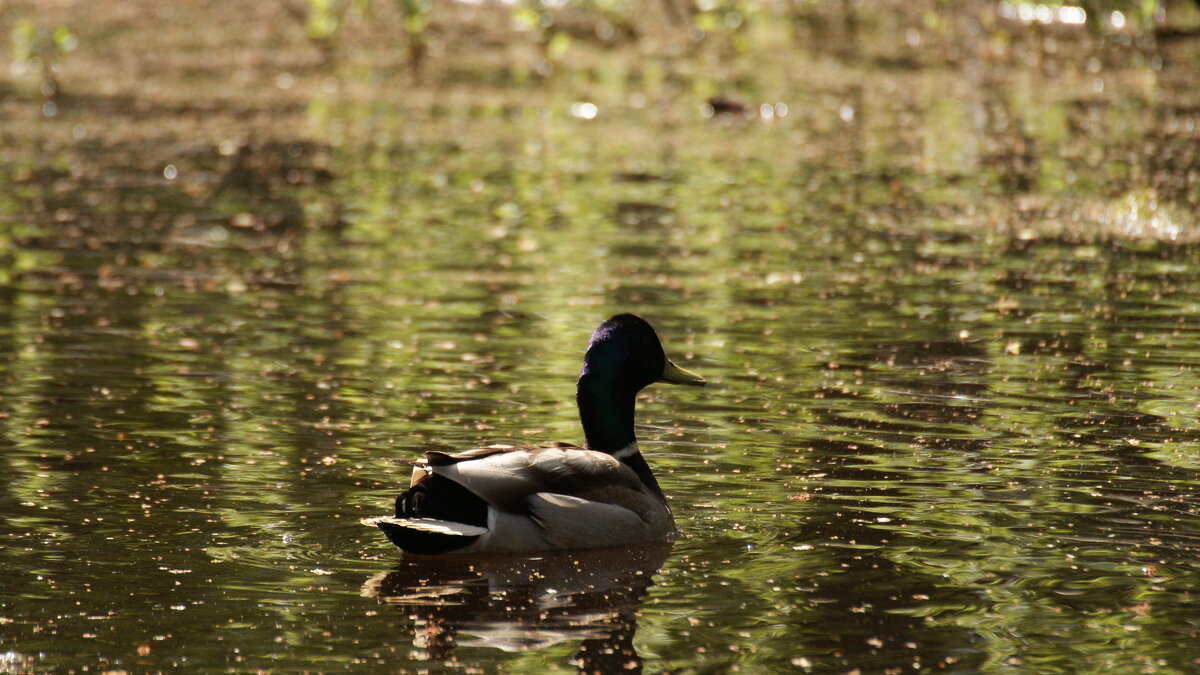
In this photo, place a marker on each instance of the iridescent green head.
(623, 356)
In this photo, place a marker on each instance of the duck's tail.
(435, 515)
(426, 536)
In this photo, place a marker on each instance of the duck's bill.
(676, 375)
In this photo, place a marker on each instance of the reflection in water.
(526, 602)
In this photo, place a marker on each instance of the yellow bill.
(676, 375)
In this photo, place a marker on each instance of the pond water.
(947, 311)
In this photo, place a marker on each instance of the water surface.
(947, 311)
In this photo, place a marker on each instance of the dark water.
(948, 314)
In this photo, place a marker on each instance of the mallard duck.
(561, 496)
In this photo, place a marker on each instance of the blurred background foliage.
(339, 29)
(333, 26)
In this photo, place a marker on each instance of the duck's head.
(625, 354)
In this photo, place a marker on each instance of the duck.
(504, 498)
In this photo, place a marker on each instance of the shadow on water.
(519, 603)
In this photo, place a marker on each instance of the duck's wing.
(506, 479)
(609, 517)
(575, 498)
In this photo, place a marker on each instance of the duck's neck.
(607, 416)
(606, 412)
(632, 457)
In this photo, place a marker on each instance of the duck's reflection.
(525, 602)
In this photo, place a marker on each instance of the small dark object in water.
(718, 106)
